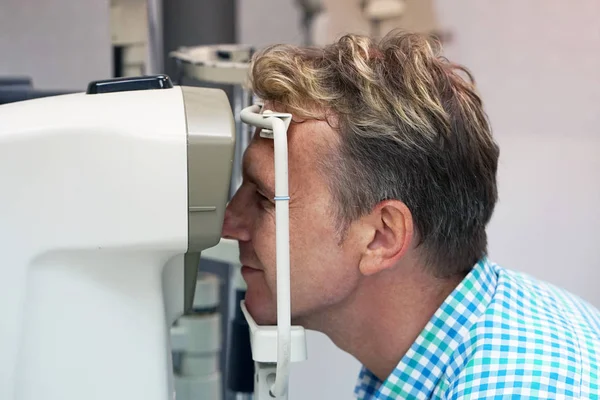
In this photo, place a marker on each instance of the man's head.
(390, 156)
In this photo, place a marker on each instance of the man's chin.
(262, 312)
(266, 314)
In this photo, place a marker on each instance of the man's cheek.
(264, 248)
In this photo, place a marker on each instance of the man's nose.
(236, 222)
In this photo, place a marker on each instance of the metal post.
(310, 9)
(154, 62)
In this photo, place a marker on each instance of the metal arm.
(273, 348)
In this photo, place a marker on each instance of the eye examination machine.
(108, 199)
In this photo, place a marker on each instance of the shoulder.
(534, 340)
(528, 299)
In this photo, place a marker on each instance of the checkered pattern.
(499, 335)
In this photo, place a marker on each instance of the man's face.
(323, 271)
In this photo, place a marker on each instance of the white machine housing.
(105, 198)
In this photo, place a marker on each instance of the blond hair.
(412, 127)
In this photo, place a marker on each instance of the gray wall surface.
(264, 22)
(61, 44)
(536, 64)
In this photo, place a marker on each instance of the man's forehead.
(307, 142)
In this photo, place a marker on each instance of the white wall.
(264, 22)
(61, 44)
(537, 63)
(547, 220)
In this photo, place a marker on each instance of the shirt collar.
(420, 370)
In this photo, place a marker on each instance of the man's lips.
(249, 270)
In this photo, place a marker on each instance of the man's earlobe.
(391, 229)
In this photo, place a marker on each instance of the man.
(392, 179)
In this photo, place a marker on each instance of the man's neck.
(384, 316)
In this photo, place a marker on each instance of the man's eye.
(262, 199)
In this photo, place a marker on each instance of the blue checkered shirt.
(499, 335)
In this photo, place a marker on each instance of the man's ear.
(390, 227)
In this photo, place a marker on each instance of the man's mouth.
(247, 270)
